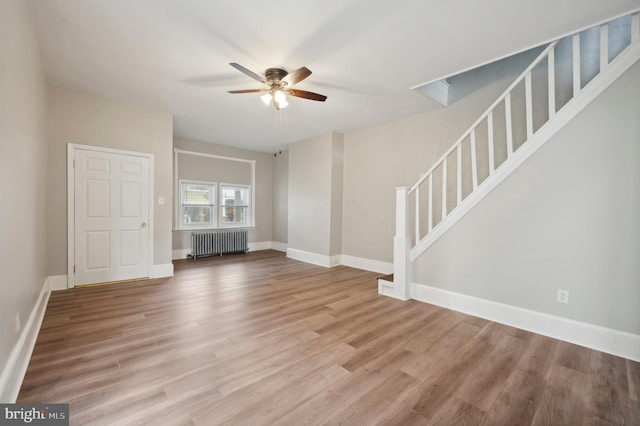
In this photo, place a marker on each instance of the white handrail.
(539, 59)
(405, 251)
(548, 53)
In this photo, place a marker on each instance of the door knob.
(143, 225)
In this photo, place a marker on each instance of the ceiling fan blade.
(307, 95)
(250, 73)
(247, 91)
(297, 76)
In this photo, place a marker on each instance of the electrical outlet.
(563, 296)
(18, 324)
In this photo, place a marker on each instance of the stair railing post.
(401, 246)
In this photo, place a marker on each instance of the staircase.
(568, 75)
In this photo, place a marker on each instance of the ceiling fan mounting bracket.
(275, 75)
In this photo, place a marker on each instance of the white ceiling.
(364, 54)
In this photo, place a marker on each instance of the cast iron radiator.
(218, 241)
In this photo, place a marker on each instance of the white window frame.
(176, 152)
(214, 208)
(248, 214)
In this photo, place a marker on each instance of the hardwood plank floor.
(263, 339)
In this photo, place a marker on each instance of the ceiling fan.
(279, 82)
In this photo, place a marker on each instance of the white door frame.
(71, 241)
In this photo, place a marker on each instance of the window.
(198, 208)
(197, 204)
(234, 205)
(203, 201)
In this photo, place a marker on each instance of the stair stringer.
(591, 91)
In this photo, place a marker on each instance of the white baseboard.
(335, 260)
(180, 254)
(279, 246)
(313, 258)
(388, 289)
(619, 343)
(367, 264)
(260, 245)
(56, 282)
(16, 366)
(59, 282)
(340, 259)
(161, 271)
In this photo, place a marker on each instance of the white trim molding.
(367, 264)
(180, 254)
(336, 260)
(56, 282)
(275, 245)
(14, 370)
(71, 149)
(252, 211)
(308, 257)
(386, 288)
(313, 258)
(161, 271)
(259, 245)
(545, 133)
(615, 342)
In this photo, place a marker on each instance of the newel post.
(401, 246)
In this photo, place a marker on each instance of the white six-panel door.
(111, 215)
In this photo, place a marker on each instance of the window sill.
(213, 229)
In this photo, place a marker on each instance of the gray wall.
(310, 195)
(209, 169)
(337, 193)
(280, 197)
(85, 119)
(23, 171)
(567, 218)
(263, 189)
(380, 158)
(315, 194)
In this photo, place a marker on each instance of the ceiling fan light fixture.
(279, 96)
(280, 99)
(282, 104)
(278, 81)
(266, 98)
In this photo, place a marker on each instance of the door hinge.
(74, 269)
(74, 164)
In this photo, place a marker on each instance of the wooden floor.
(262, 339)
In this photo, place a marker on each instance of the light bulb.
(266, 98)
(280, 97)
